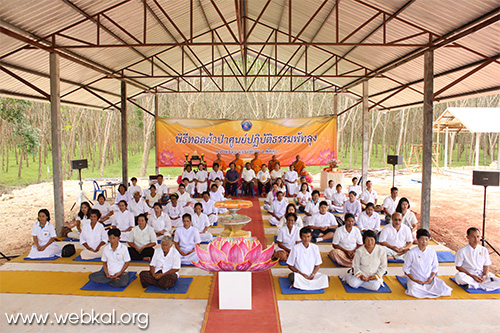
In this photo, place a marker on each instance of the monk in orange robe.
(222, 164)
(299, 165)
(272, 162)
(256, 163)
(238, 163)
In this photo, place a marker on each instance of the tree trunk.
(107, 132)
(20, 165)
(401, 129)
(450, 153)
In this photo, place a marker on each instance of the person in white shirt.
(220, 187)
(290, 208)
(303, 197)
(288, 236)
(105, 209)
(390, 204)
(421, 268)
(174, 210)
(473, 264)
(122, 194)
(352, 205)
(164, 267)
(329, 192)
(247, 180)
(186, 238)
(134, 187)
(369, 265)
(200, 222)
(185, 200)
(93, 237)
(137, 206)
(277, 209)
(152, 197)
(162, 189)
(338, 199)
(369, 220)
(312, 207)
(190, 175)
(291, 181)
(396, 238)
(323, 224)
(263, 180)
(81, 220)
(281, 185)
(123, 220)
(276, 172)
(368, 195)
(216, 196)
(115, 261)
(409, 217)
(215, 173)
(160, 222)
(142, 240)
(201, 179)
(346, 241)
(44, 236)
(355, 187)
(271, 196)
(304, 261)
(209, 208)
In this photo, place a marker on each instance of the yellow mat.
(266, 224)
(337, 292)
(69, 283)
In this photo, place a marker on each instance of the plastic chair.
(97, 190)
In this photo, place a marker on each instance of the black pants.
(247, 188)
(147, 252)
(266, 187)
(231, 188)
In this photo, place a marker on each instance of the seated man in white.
(160, 222)
(44, 236)
(323, 224)
(369, 220)
(346, 240)
(368, 195)
(292, 181)
(329, 192)
(174, 210)
(355, 187)
(200, 222)
(164, 267)
(352, 205)
(390, 204)
(209, 208)
(277, 209)
(396, 238)
(312, 207)
(247, 180)
(123, 220)
(304, 261)
(137, 206)
(115, 261)
(473, 264)
(288, 236)
(421, 268)
(369, 265)
(93, 237)
(141, 240)
(134, 187)
(185, 238)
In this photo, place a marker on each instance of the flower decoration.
(325, 155)
(234, 254)
(166, 158)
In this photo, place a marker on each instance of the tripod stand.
(483, 239)
(81, 195)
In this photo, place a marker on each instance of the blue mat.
(334, 262)
(106, 287)
(44, 259)
(286, 290)
(383, 289)
(181, 287)
(68, 239)
(443, 257)
(79, 258)
(403, 280)
(476, 291)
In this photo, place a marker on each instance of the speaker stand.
(81, 195)
(393, 174)
(483, 239)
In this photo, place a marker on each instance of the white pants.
(273, 220)
(320, 281)
(74, 234)
(436, 288)
(292, 189)
(492, 282)
(86, 254)
(206, 237)
(190, 188)
(355, 282)
(52, 250)
(212, 219)
(392, 253)
(201, 187)
(186, 260)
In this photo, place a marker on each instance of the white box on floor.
(235, 290)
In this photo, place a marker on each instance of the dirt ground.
(456, 206)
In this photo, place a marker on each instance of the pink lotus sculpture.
(234, 254)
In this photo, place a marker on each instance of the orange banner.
(314, 139)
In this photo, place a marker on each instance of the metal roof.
(473, 120)
(158, 45)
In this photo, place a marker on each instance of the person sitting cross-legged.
(185, 238)
(396, 238)
(200, 221)
(369, 220)
(288, 236)
(115, 261)
(164, 267)
(291, 208)
(160, 222)
(323, 224)
(141, 240)
(247, 180)
(473, 264)
(369, 265)
(44, 236)
(123, 219)
(346, 240)
(277, 209)
(304, 261)
(421, 268)
(93, 237)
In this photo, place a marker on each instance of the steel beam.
(366, 135)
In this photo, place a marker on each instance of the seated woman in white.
(137, 205)
(312, 207)
(277, 209)
(185, 238)
(174, 211)
(369, 265)
(304, 261)
(329, 192)
(200, 222)
(263, 180)
(44, 236)
(421, 268)
(352, 205)
(209, 208)
(81, 220)
(152, 197)
(122, 194)
(290, 208)
(105, 209)
(338, 199)
(185, 198)
(123, 220)
(303, 197)
(215, 196)
(346, 240)
(355, 187)
(160, 222)
(93, 237)
(141, 240)
(201, 179)
(369, 220)
(191, 177)
(271, 196)
(134, 187)
(276, 172)
(281, 185)
(288, 236)
(291, 181)
(473, 264)
(409, 217)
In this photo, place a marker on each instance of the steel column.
(123, 109)
(366, 133)
(157, 106)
